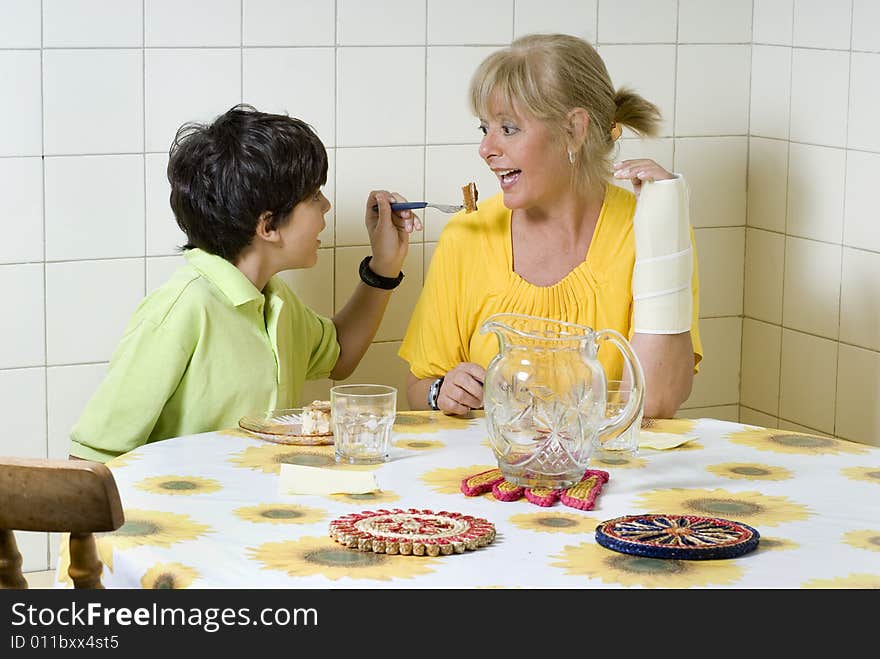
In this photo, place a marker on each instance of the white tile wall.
(761, 354)
(23, 406)
(811, 292)
(577, 17)
(114, 90)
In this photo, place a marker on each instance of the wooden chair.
(75, 496)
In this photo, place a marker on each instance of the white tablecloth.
(204, 511)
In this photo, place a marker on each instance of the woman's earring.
(570, 157)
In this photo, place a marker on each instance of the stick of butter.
(298, 479)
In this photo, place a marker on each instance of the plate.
(688, 537)
(283, 427)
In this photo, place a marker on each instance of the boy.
(224, 337)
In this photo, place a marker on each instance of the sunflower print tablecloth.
(204, 511)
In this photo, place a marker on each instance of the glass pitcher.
(545, 398)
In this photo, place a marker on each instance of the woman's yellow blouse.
(471, 277)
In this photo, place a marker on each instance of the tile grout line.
(144, 127)
(742, 326)
(48, 554)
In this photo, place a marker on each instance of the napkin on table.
(662, 440)
(298, 479)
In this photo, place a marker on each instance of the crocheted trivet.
(686, 537)
(581, 496)
(412, 532)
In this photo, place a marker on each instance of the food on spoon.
(470, 194)
(316, 418)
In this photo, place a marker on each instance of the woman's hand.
(462, 389)
(388, 231)
(639, 171)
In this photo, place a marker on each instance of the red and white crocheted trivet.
(412, 532)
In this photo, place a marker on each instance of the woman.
(559, 241)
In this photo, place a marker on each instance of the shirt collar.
(224, 275)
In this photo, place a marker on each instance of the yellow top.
(471, 277)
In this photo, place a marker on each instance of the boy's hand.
(640, 170)
(389, 232)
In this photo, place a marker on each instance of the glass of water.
(617, 397)
(362, 416)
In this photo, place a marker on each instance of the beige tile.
(720, 253)
(864, 101)
(765, 260)
(44, 579)
(811, 293)
(358, 171)
(381, 365)
(488, 22)
(819, 118)
(761, 348)
(860, 227)
(315, 390)
(447, 169)
(314, 285)
(771, 91)
(756, 418)
(809, 374)
(772, 21)
(768, 178)
(717, 383)
(817, 27)
(858, 390)
(815, 211)
(718, 192)
(660, 150)
(721, 21)
(712, 90)
(722, 412)
(403, 298)
(860, 299)
(626, 66)
(449, 117)
(796, 427)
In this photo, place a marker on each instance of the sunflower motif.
(169, 576)
(861, 581)
(448, 481)
(123, 460)
(269, 458)
(673, 426)
(179, 485)
(555, 522)
(775, 544)
(752, 508)
(414, 444)
(280, 513)
(783, 441)
(152, 527)
(310, 556)
(623, 461)
(368, 498)
(867, 474)
(105, 555)
(750, 471)
(867, 539)
(595, 562)
(416, 423)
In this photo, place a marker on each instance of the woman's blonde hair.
(548, 75)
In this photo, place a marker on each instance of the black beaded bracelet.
(370, 278)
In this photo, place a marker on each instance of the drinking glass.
(618, 393)
(362, 416)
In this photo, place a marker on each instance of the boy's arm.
(357, 322)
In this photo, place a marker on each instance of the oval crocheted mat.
(687, 537)
(412, 532)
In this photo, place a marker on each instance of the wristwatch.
(434, 392)
(370, 278)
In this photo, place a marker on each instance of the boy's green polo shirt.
(199, 353)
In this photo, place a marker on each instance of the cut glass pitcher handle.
(618, 423)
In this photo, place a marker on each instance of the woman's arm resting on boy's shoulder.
(668, 363)
(461, 391)
(357, 322)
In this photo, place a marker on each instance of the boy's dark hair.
(224, 175)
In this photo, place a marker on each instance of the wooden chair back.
(74, 496)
